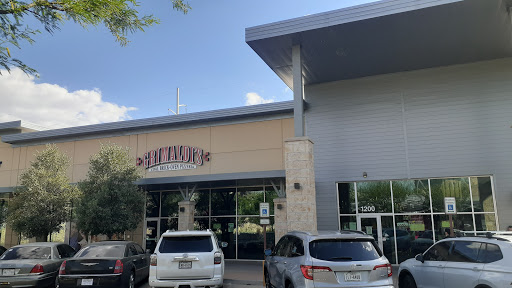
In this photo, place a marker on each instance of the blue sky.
(89, 78)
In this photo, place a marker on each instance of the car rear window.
(98, 251)
(186, 244)
(30, 252)
(344, 250)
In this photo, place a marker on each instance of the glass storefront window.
(450, 187)
(374, 197)
(170, 203)
(152, 204)
(250, 238)
(461, 222)
(249, 199)
(270, 195)
(202, 199)
(482, 194)
(388, 238)
(348, 223)
(225, 229)
(485, 222)
(201, 223)
(223, 201)
(411, 196)
(168, 224)
(347, 198)
(413, 235)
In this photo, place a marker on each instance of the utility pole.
(178, 105)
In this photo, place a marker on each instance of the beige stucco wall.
(247, 147)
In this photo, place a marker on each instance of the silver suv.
(187, 258)
(327, 259)
(468, 262)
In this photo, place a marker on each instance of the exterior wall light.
(279, 206)
(296, 186)
(182, 209)
(365, 175)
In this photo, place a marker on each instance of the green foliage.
(120, 17)
(111, 203)
(40, 204)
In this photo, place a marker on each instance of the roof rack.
(487, 234)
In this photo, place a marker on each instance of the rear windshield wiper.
(340, 258)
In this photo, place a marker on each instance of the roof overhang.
(386, 37)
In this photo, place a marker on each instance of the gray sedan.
(33, 264)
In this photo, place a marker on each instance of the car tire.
(407, 281)
(267, 280)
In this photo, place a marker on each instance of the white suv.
(466, 262)
(187, 258)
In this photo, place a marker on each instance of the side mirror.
(420, 258)
(268, 252)
(223, 244)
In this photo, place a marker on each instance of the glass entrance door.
(152, 234)
(371, 225)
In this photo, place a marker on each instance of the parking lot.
(249, 274)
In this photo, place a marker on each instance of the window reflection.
(170, 203)
(347, 199)
(249, 199)
(152, 204)
(411, 196)
(482, 194)
(450, 187)
(223, 201)
(374, 197)
(250, 238)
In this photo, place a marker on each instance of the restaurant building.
(397, 105)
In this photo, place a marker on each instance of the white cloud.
(52, 106)
(255, 99)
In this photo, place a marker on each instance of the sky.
(88, 78)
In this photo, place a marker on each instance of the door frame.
(379, 227)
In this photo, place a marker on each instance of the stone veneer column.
(186, 218)
(301, 203)
(280, 219)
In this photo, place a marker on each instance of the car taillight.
(118, 267)
(153, 260)
(37, 269)
(62, 269)
(217, 258)
(308, 271)
(387, 267)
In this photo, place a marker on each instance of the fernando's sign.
(172, 158)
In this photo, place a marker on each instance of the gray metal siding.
(449, 121)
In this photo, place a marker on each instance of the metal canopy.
(386, 37)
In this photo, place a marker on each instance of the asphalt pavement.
(249, 274)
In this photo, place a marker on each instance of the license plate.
(8, 272)
(185, 265)
(86, 282)
(352, 277)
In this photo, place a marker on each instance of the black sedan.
(33, 264)
(105, 264)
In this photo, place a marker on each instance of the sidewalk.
(243, 273)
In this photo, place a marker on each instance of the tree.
(120, 17)
(111, 203)
(41, 203)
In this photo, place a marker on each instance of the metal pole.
(264, 237)
(178, 102)
(451, 225)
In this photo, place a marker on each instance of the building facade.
(211, 169)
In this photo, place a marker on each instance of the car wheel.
(267, 280)
(131, 280)
(407, 281)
